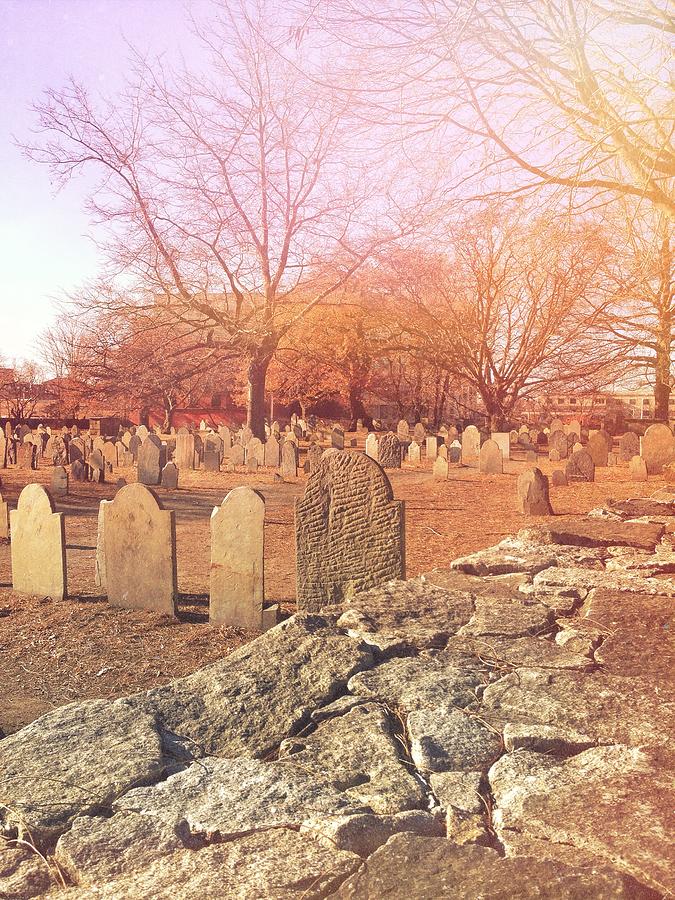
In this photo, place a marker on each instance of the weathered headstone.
(443, 451)
(96, 466)
(558, 441)
(59, 482)
(349, 531)
(403, 430)
(558, 478)
(658, 448)
(255, 449)
(236, 455)
(533, 499)
(184, 454)
(109, 452)
(151, 459)
(580, 466)
(637, 469)
(337, 438)
(502, 440)
(470, 445)
(142, 432)
(135, 445)
(99, 565)
(289, 460)
(389, 451)
(490, 459)
(314, 454)
(455, 452)
(27, 454)
(140, 551)
(170, 476)
(597, 449)
(419, 433)
(432, 447)
(272, 452)
(38, 547)
(252, 465)
(79, 471)
(440, 469)
(372, 446)
(3, 450)
(414, 453)
(246, 435)
(556, 425)
(4, 518)
(629, 446)
(76, 450)
(211, 458)
(236, 583)
(225, 436)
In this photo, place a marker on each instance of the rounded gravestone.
(490, 458)
(629, 446)
(389, 451)
(558, 441)
(580, 466)
(658, 448)
(597, 448)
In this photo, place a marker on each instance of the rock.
(360, 756)
(506, 557)
(545, 739)
(508, 652)
(406, 614)
(641, 506)
(587, 532)
(364, 833)
(438, 868)
(533, 499)
(516, 617)
(24, 874)
(74, 761)
(278, 864)
(461, 790)
(263, 692)
(614, 802)
(444, 739)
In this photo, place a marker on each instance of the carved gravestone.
(237, 455)
(140, 551)
(289, 460)
(455, 452)
(490, 459)
(389, 451)
(597, 449)
(272, 452)
(470, 445)
(557, 442)
(349, 531)
(226, 437)
(38, 545)
(170, 476)
(59, 482)
(4, 518)
(96, 466)
(533, 499)
(236, 582)
(419, 433)
(403, 430)
(440, 469)
(372, 446)
(414, 453)
(337, 438)
(637, 469)
(658, 448)
(314, 454)
(629, 446)
(59, 451)
(151, 460)
(432, 447)
(581, 466)
(558, 478)
(252, 464)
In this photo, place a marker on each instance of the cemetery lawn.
(54, 652)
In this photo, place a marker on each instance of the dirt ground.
(54, 652)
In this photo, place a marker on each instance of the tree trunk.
(664, 337)
(255, 406)
(356, 408)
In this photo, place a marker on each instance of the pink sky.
(44, 244)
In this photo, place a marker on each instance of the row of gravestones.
(136, 545)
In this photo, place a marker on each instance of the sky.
(46, 247)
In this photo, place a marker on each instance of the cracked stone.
(73, 761)
(23, 874)
(545, 739)
(458, 789)
(641, 506)
(515, 617)
(502, 652)
(614, 802)
(445, 739)
(363, 834)
(585, 532)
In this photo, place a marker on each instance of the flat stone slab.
(438, 868)
(589, 532)
(614, 802)
(513, 617)
(447, 739)
(24, 874)
(501, 653)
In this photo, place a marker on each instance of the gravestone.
(211, 458)
(59, 482)
(558, 441)
(658, 448)
(556, 425)
(524, 439)
(289, 460)
(96, 466)
(4, 518)
(372, 446)
(28, 456)
(414, 453)
(252, 465)
(502, 440)
(314, 454)
(272, 452)
(349, 531)
(225, 436)
(637, 469)
(99, 565)
(558, 478)
(140, 551)
(580, 466)
(533, 499)
(432, 447)
(573, 427)
(76, 450)
(246, 435)
(455, 452)
(440, 469)
(142, 433)
(98, 443)
(255, 449)
(470, 445)
(337, 438)
(236, 455)
(389, 451)
(59, 451)
(490, 459)
(3, 450)
(513, 438)
(38, 546)
(554, 456)
(135, 445)
(597, 449)
(79, 471)
(403, 430)
(419, 433)
(126, 438)
(236, 581)
(109, 452)
(122, 452)
(170, 476)
(629, 446)
(151, 459)
(443, 451)
(184, 454)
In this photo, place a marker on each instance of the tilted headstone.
(502, 440)
(337, 438)
(637, 469)
(414, 453)
(597, 449)
(236, 576)
(432, 447)
(440, 469)
(170, 476)
(59, 482)
(140, 551)
(289, 460)
(658, 448)
(4, 518)
(272, 453)
(372, 446)
(389, 451)
(490, 459)
(533, 499)
(151, 460)
(349, 531)
(470, 445)
(581, 466)
(38, 547)
(629, 446)
(558, 441)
